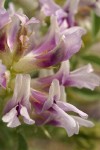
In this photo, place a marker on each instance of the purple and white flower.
(19, 104)
(59, 45)
(57, 107)
(27, 60)
(80, 78)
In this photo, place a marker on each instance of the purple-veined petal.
(37, 100)
(37, 107)
(53, 57)
(49, 41)
(58, 47)
(60, 53)
(66, 44)
(38, 96)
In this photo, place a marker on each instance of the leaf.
(82, 95)
(60, 2)
(22, 144)
(46, 132)
(95, 24)
(7, 3)
(87, 92)
(92, 59)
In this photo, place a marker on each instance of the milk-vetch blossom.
(82, 77)
(34, 92)
(19, 104)
(57, 107)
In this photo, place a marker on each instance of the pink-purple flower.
(80, 78)
(54, 109)
(35, 66)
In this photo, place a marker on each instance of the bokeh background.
(51, 138)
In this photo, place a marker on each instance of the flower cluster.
(41, 99)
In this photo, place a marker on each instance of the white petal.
(17, 89)
(83, 122)
(26, 116)
(62, 94)
(11, 118)
(14, 123)
(66, 121)
(23, 18)
(54, 94)
(56, 87)
(65, 67)
(85, 69)
(22, 90)
(69, 107)
(10, 115)
(25, 90)
(45, 73)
